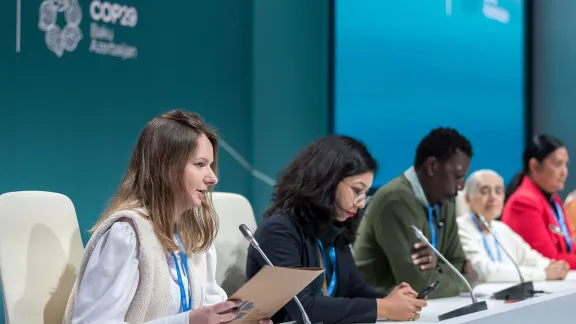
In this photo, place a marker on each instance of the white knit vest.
(153, 298)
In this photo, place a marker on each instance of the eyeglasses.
(361, 198)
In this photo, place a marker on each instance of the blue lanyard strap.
(486, 246)
(563, 227)
(186, 305)
(332, 255)
(432, 223)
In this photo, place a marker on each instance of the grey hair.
(471, 185)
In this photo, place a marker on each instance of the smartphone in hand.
(428, 290)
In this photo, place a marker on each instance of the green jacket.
(385, 242)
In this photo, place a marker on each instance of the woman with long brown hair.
(150, 258)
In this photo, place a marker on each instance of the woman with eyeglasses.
(312, 221)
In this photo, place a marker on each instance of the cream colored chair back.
(461, 205)
(40, 252)
(233, 210)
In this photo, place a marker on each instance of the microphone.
(521, 291)
(250, 237)
(476, 306)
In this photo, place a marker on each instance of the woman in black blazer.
(312, 221)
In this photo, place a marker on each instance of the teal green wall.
(290, 84)
(69, 124)
(255, 69)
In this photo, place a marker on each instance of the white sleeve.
(110, 280)
(487, 270)
(214, 293)
(528, 256)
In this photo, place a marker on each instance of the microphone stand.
(476, 305)
(250, 237)
(295, 298)
(521, 291)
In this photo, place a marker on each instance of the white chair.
(233, 210)
(40, 252)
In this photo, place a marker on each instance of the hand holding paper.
(269, 290)
(223, 312)
(219, 313)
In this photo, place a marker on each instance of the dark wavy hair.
(306, 189)
(539, 148)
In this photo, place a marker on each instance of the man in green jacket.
(387, 252)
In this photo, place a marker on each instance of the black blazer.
(286, 244)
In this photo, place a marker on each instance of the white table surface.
(440, 306)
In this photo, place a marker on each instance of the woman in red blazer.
(533, 209)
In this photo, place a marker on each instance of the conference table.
(484, 292)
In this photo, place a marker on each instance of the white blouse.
(531, 263)
(111, 278)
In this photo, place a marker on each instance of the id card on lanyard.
(486, 246)
(185, 302)
(329, 291)
(432, 223)
(563, 227)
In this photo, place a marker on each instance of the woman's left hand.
(404, 289)
(265, 321)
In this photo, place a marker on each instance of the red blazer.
(529, 214)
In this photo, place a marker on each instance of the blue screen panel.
(404, 67)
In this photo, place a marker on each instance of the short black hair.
(442, 143)
(306, 189)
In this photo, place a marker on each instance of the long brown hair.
(154, 181)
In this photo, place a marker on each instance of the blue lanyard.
(432, 223)
(186, 306)
(562, 222)
(332, 254)
(486, 246)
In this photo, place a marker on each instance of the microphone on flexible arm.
(476, 306)
(250, 237)
(521, 291)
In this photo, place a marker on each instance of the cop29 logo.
(61, 39)
(113, 13)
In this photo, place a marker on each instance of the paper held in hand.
(269, 290)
